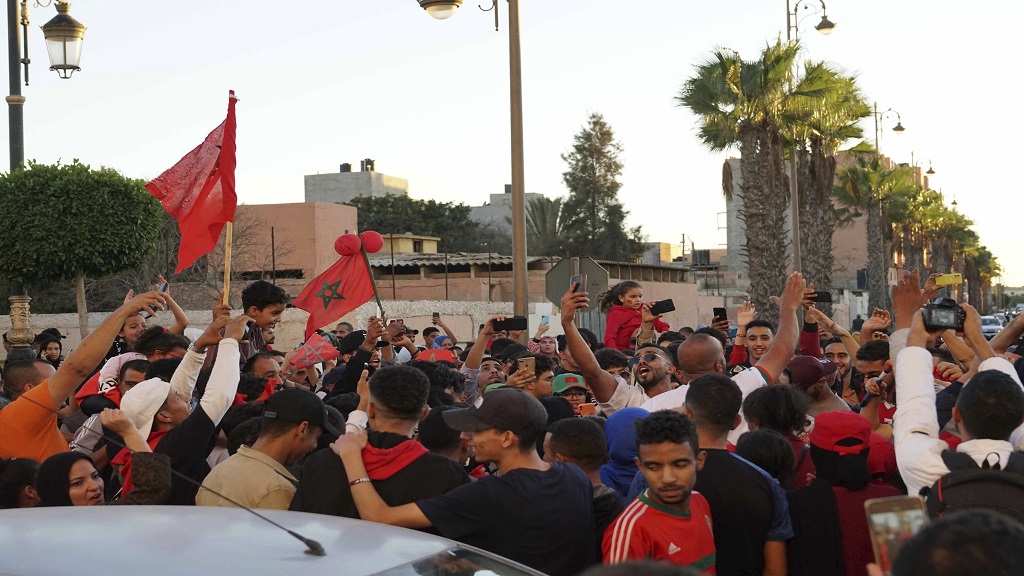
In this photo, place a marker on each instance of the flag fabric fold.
(314, 351)
(199, 191)
(342, 288)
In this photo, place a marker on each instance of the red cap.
(832, 427)
(805, 371)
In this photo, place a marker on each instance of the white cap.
(143, 401)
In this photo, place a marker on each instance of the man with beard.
(481, 372)
(668, 521)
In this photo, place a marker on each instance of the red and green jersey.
(648, 531)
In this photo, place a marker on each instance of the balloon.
(347, 245)
(372, 241)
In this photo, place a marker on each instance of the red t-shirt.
(646, 530)
(806, 467)
(620, 323)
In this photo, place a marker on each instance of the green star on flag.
(323, 297)
(330, 292)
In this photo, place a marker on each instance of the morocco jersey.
(648, 531)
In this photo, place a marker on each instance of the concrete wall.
(344, 186)
(498, 211)
(304, 235)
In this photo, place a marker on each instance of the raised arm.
(184, 379)
(601, 383)
(223, 384)
(448, 332)
(849, 342)
(89, 354)
(779, 354)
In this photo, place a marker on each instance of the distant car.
(990, 326)
(159, 540)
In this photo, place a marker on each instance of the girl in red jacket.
(623, 303)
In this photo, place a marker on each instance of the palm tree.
(744, 104)
(865, 187)
(544, 226)
(829, 105)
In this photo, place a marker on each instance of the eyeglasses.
(646, 358)
(574, 392)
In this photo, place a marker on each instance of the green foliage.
(544, 226)
(446, 220)
(592, 219)
(63, 219)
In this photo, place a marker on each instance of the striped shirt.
(648, 531)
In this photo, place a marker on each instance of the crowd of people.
(685, 449)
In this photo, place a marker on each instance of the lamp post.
(63, 36)
(792, 32)
(898, 128)
(443, 9)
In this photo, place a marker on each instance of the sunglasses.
(646, 358)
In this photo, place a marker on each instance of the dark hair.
(163, 368)
(558, 408)
(768, 449)
(581, 441)
(46, 342)
(250, 364)
(275, 353)
(498, 346)
(430, 330)
(873, 350)
(778, 408)
(442, 379)
(592, 341)
(761, 324)
(611, 297)
(714, 400)
(673, 351)
(611, 358)
(344, 403)
(435, 434)
(240, 413)
(158, 338)
(136, 365)
(942, 354)
(400, 391)
(262, 294)
(714, 333)
(992, 406)
(666, 426)
(669, 336)
(969, 542)
(542, 363)
(248, 431)
(20, 373)
(599, 420)
(15, 475)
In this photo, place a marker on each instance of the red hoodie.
(620, 324)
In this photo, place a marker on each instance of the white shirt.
(916, 428)
(625, 396)
(748, 380)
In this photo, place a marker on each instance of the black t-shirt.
(323, 484)
(188, 445)
(543, 519)
(742, 504)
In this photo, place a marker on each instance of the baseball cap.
(143, 401)
(297, 406)
(502, 409)
(567, 380)
(841, 431)
(804, 371)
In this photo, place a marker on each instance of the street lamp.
(444, 9)
(792, 32)
(931, 171)
(63, 36)
(898, 128)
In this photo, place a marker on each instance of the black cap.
(502, 409)
(297, 406)
(54, 332)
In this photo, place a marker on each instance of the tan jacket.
(250, 478)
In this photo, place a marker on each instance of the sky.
(321, 83)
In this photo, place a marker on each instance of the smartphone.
(821, 296)
(528, 364)
(437, 315)
(732, 332)
(513, 323)
(579, 281)
(891, 522)
(662, 306)
(720, 314)
(586, 409)
(545, 320)
(949, 279)
(161, 288)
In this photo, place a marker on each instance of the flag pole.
(227, 262)
(369, 270)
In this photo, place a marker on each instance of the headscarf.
(53, 483)
(438, 340)
(42, 349)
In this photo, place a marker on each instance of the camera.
(944, 314)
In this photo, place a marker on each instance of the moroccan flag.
(199, 191)
(341, 289)
(314, 351)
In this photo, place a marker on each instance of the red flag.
(342, 288)
(199, 191)
(314, 351)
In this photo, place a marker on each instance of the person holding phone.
(624, 306)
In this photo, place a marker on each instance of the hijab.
(53, 482)
(438, 341)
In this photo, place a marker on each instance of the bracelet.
(358, 481)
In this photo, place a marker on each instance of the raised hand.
(745, 314)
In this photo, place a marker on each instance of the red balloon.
(347, 245)
(372, 241)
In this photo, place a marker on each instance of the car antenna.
(313, 548)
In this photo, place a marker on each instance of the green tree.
(544, 226)
(592, 218)
(66, 222)
(446, 220)
(745, 104)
